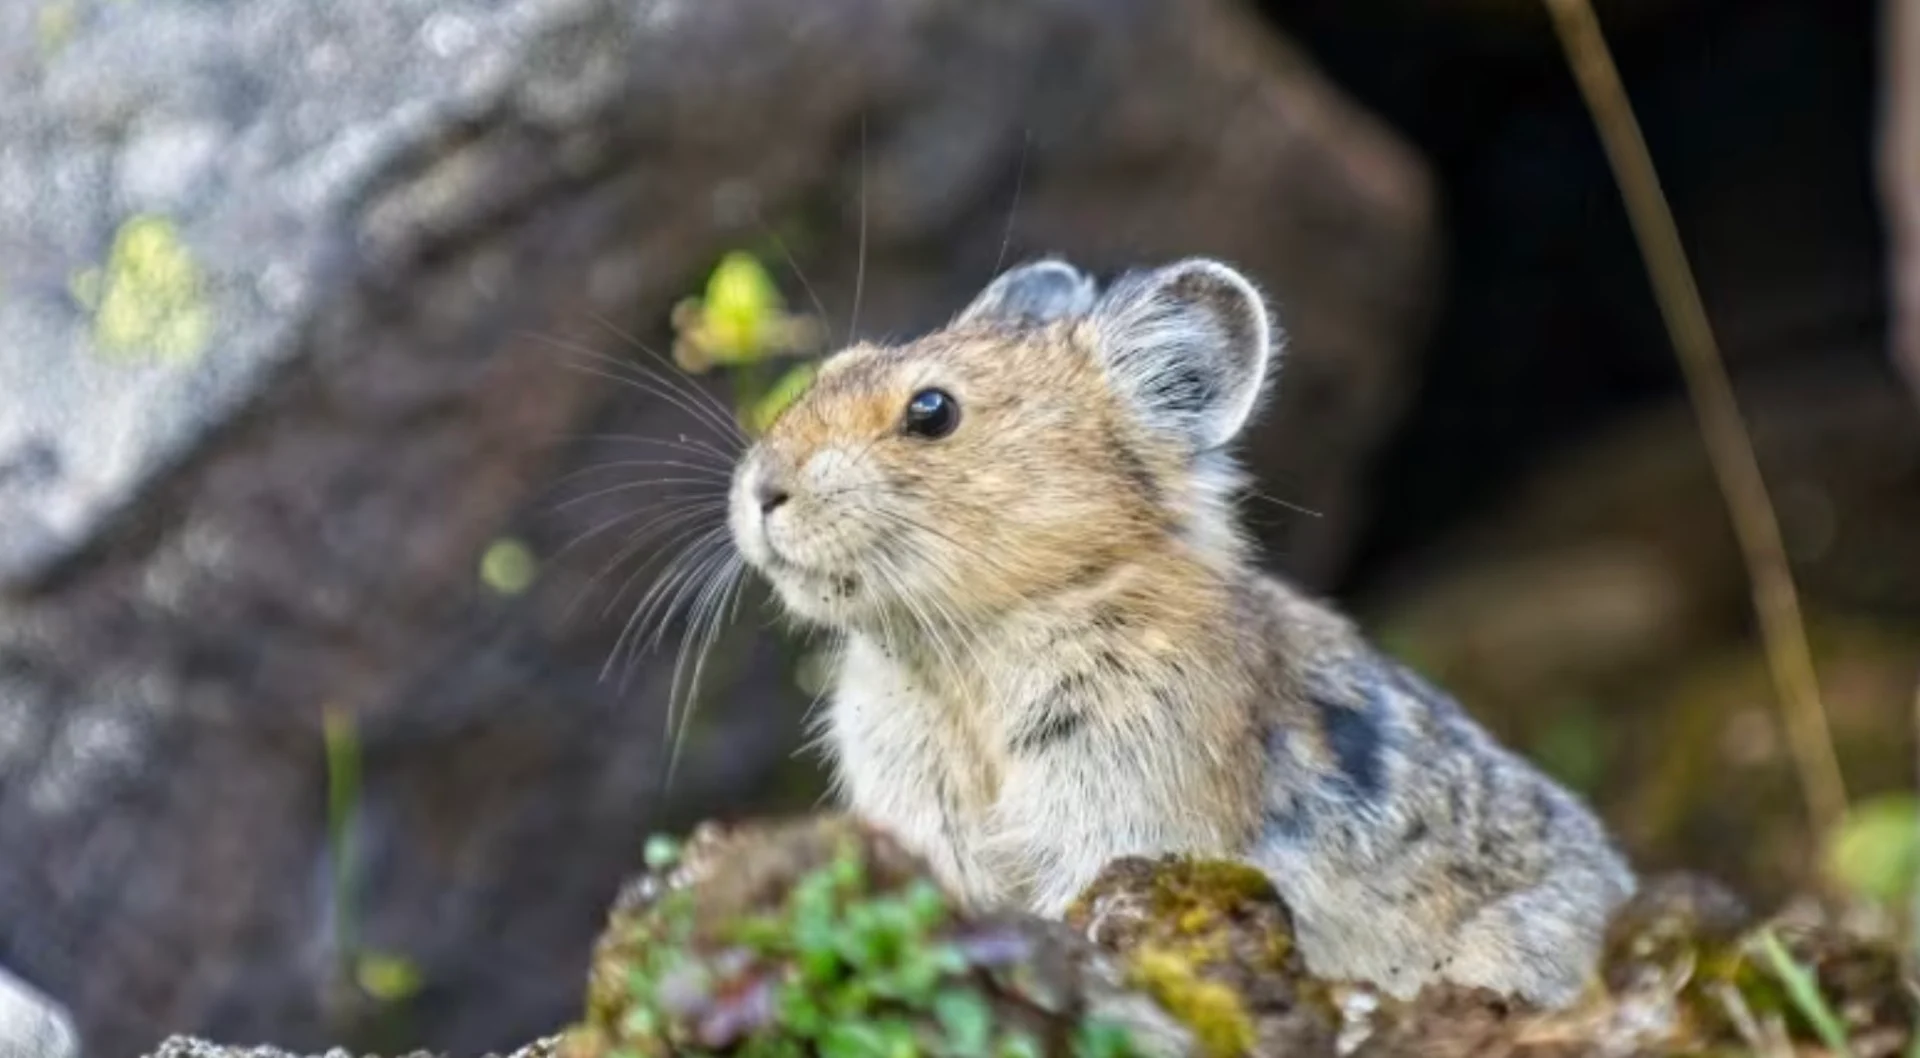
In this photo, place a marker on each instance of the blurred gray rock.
(31, 1025)
(268, 395)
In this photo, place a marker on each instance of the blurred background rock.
(280, 285)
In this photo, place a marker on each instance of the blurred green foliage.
(1803, 988)
(741, 324)
(385, 977)
(508, 567)
(1875, 852)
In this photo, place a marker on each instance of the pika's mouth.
(795, 579)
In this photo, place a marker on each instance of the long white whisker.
(704, 407)
(944, 612)
(1256, 494)
(677, 703)
(685, 537)
(629, 486)
(658, 516)
(992, 563)
(633, 544)
(656, 612)
(710, 473)
(698, 414)
(860, 268)
(693, 587)
(715, 613)
(635, 541)
(724, 413)
(1019, 180)
(798, 272)
(928, 631)
(691, 445)
(688, 562)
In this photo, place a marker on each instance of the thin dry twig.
(1729, 448)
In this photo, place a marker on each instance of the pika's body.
(1058, 649)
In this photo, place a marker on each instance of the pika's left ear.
(1189, 346)
(1038, 292)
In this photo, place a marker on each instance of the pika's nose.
(770, 495)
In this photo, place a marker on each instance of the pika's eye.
(931, 414)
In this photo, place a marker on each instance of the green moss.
(1211, 942)
(1213, 1010)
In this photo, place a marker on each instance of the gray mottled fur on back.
(1409, 843)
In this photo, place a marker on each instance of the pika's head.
(1046, 435)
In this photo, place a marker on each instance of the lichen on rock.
(149, 299)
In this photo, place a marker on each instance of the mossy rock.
(1684, 974)
(824, 937)
(1213, 944)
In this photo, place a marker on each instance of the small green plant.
(342, 741)
(841, 967)
(386, 977)
(741, 324)
(1803, 989)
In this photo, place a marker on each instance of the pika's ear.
(1039, 292)
(1189, 345)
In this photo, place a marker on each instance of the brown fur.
(1058, 650)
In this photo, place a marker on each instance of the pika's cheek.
(841, 475)
(832, 517)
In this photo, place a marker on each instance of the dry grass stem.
(1723, 431)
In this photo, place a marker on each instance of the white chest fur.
(1019, 791)
(910, 761)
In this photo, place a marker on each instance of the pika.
(1056, 646)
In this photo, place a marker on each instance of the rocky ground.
(291, 294)
(822, 937)
(288, 291)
